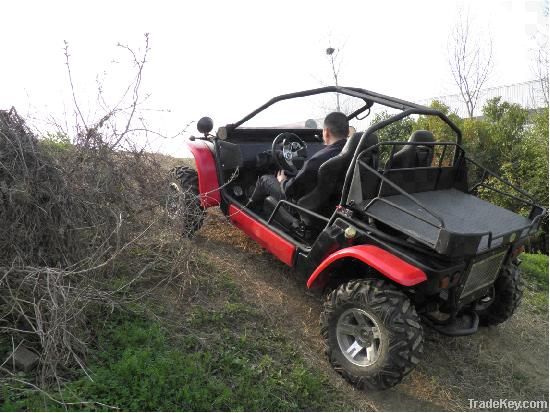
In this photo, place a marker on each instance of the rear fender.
(387, 264)
(209, 187)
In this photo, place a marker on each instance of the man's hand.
(281, 176)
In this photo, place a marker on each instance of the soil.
(508, 361)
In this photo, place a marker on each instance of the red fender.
(206, 169)
(271, 241)
(381, 260)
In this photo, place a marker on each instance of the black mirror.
(205, 125)
(311, 124)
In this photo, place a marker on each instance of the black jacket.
(306, 179)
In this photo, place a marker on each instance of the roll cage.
(370, 98)
(407, 109)
(367, 96)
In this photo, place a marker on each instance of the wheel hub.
(358, 336)
(366, 333)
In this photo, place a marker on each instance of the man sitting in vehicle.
(335, 131)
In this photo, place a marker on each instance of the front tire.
(372, 333)
(507, 293)
(184, 205)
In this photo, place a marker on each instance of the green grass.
(142, 367)
(535, 272)
(535, 268)
(220, 356)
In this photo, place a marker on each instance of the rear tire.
(184, 204)
(390, 336)
(507, 296)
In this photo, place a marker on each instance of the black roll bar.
(535, 218)
(369, 97)
(418, 110)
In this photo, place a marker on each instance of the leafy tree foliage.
(442, 132)
(514, 144)
(398, 131)
(531, 166)
(508, 140)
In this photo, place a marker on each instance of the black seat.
(324, 198)
(414, 156)
(365, 183)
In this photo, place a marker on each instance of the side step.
(463, 325)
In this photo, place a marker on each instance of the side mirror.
(205, 125)
(311, 124)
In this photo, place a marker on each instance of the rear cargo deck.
(463, 214)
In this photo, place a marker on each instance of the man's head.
(336, 127)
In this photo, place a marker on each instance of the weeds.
(228, 358)
(535, 272)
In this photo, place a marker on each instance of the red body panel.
(206, 169)
(274, 243)
(381, 260)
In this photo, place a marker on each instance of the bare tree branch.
(77, 107)
(541, 62)
(469, 61)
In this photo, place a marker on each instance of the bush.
(83, 221)
(72, 216)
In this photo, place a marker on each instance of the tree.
(540, 52)
(344, 103)
(332, 53)
(506, 124)
(442, 132)
(470, 62)
(540, 68)
(397, 131)
(513, 144)
(534, 157)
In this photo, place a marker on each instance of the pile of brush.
(73, 217)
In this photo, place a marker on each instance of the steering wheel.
(289, 152)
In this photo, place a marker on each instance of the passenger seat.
(414, 156)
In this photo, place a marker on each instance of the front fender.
(387, 264)
(209, 187)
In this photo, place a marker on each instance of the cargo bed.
(470, 224)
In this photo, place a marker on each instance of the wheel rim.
(359, 337)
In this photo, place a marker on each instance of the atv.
(395, 234)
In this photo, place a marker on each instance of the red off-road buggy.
(394, 233)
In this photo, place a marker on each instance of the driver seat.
(324, 198)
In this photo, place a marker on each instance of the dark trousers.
(267, 185)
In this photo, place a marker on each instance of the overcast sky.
(224, 58)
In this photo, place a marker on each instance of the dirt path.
(490, 364)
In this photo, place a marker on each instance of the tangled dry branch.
(70, 227)
(86, 228)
